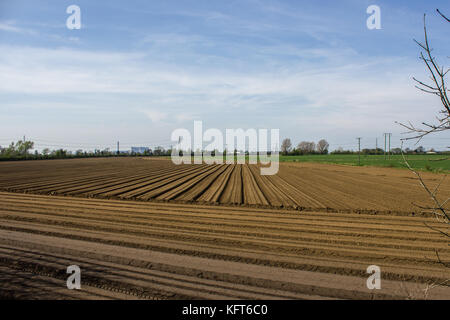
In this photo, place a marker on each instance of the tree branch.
(448, 20)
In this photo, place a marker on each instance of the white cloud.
(184, 117)
(10, 26)
(155, 115)
(303, 97)
(174, 116)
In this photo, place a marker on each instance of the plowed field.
(298, 186)
(168, 241)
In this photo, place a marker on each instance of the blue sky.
(137, 70)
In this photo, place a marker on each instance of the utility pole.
(359, 151)
(389, 134)
(387, 140)
(118, 150)
(376, 145)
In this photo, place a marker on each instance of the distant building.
(139, 149)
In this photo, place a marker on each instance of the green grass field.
(432, 162)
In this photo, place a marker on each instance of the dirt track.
(308, 186)
(244, 247)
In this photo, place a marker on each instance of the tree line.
(20, 150)
(304, 147)
(322, 147)
(375, 151)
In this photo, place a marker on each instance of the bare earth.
(147, 229)
(304, 186)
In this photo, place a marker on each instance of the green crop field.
(424, 162)
(432, 162)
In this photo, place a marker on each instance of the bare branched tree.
(439, 207)
(286, 146)
(436, 86)
(306, 147)
(322, 146)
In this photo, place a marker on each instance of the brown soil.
(241, 238)
(304, 186)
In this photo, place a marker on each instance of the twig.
(448, 20)
(438, 88)
(439, 206)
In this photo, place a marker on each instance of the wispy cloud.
(155, 115)
(11, 26)
(314, 72)
(360, 87)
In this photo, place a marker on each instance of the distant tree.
(10, 151)
(46, 151)
(60, 153)
(322, 146)
(19, 149)
(286, 146)
(159, 151)
(22, 147)
(341, 150)
(306, 147)
(373, 151)
(420, 150)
